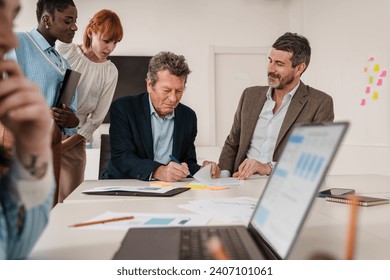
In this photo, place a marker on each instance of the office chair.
(105, 153)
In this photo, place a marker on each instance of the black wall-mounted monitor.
(131, 76)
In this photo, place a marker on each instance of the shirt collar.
(291, 93)
(153, 111)
(39, 39)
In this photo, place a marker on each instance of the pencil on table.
(103, 221)
(351, 235)
(216, 249)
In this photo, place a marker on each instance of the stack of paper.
(234, 210)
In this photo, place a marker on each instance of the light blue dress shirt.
(162, 131)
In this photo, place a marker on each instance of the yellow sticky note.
(375, 95)
(204, 187)
(160, 184)
(376, 68)
(196, 186)
(217, 188)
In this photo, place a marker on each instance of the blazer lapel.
(177, 136)
(297, 103)
(146, 127)
(251, 115)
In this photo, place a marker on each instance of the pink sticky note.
(379, 83)
(375, 95)
(368, 90)
(383, 74)
(363, 102)
(371, 58)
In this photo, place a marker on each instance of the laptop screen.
(294, 183)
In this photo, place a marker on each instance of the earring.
(47, 26)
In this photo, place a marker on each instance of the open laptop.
(277, 218)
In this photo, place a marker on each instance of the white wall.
(343, 35)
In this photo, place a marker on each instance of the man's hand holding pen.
(172, 172)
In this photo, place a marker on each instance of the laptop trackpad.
(147, 244)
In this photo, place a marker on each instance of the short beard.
(282, 82)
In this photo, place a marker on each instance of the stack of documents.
(233, 210)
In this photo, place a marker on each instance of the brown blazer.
(307, 106)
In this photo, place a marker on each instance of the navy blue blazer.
(131, 139)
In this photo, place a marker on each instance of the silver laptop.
(277, 218)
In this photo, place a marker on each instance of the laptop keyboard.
(193, 243)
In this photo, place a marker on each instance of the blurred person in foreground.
(26, 179)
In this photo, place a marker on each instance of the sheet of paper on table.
(231, 210)
(203, 177)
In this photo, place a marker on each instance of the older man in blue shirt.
(149, 129)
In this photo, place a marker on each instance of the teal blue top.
(42, 64)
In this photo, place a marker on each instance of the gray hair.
(176, 64)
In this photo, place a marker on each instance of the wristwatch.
(271, 165)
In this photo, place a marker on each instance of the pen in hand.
(102, 221)
(177, 161)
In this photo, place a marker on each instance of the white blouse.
(95, 90)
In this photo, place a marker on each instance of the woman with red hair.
(96, 88)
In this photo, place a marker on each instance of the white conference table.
(324, 232)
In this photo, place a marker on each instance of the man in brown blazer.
(265, 115)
